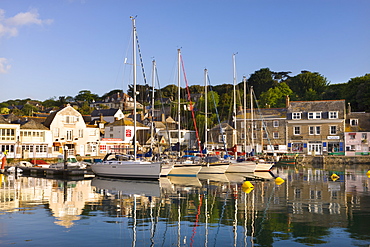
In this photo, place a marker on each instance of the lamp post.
(65, 157)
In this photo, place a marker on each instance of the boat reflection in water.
(126, 186)
(309, 207)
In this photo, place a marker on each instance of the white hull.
(184, 169)
(214, 168)
(166, 169)
(264, 167)
(242, 167)
(127, 169)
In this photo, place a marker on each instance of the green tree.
(4, 110)
(28, 110)
(85, 109)
(357, 92)
(86, 95)
(275, 97)
(262, 80)
(308, 85)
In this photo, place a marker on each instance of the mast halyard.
(178, 95)
(234, 105)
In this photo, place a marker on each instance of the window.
(314, 130)
(364, 136)
(264, 135)
(353, 122)
(276, 135)
(297, 130)
(56, 132)
(333, 114)
(69, 135)
(275, 123)
(333, 130)
(242, 136)
(7, 134)
(352, 137)
(296, 115)
(314, 115)
(80, 133)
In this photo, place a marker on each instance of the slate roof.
(363, 122)
(104, 112)
(32, 124)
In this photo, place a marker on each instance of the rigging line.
(265, 211)
(222, 215)
(263, 119)
(141, 63)
(218, 116)
(161, 97)
(196, 220)
(191, 106)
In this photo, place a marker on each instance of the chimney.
(349, 108)
(287, 101)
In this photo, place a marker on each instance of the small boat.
(71, 162)
(125, 166)
(213, 165)
(243, 166)
(264, 166)
(187, 168)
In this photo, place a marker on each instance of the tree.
(144, 93)
(28, 110)
(357, 92)
(275, 97)
(308, 85)
(262, 80)
(86, 95)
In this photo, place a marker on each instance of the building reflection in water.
(185, 211)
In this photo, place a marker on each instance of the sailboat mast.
(234, 105)
(178, 95)
(134, 78)
(245, 114)
(205, 108)
(152, 123)
(252, 123)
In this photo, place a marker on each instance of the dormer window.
(333, 115)
(353, 122)
(296, 115)
(314, 115)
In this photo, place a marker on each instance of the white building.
(69, 130)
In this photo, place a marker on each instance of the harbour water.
(310, 208)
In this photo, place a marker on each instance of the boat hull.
(242, 167)
(128, 169)
(188, 170)
(264, 167)
(218, 168)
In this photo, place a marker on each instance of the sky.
(58, 48)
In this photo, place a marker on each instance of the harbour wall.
(329, 159)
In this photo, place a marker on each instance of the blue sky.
(60, 47)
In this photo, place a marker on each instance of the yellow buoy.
(247, 184)
(334, 177)
(279, 180)
(247, 189)
(368, 173)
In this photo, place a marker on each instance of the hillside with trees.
(270, 88)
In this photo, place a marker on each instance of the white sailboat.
(211, 164)
(244, 166)
(124, 166)
(182, 167)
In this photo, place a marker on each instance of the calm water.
(308, 209)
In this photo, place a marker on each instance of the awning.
(352, 134)
(57, 144)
